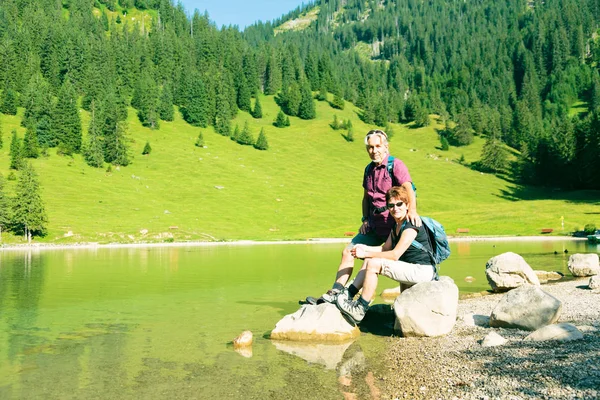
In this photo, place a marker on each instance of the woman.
(396, 259)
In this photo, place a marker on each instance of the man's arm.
(364, 228)
(412, 214)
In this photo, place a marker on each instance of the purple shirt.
(376, 184)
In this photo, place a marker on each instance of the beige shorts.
(404, 272)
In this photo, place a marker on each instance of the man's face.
(377, 149)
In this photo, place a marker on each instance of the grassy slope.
(308, 184)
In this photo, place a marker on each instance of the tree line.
(509, 71)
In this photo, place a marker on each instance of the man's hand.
(414, 218)
(358, 251)
(364, 228)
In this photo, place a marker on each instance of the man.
(376, 220)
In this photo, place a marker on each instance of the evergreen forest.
(521, 74)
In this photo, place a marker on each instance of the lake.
(157, 322)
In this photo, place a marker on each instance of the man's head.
(377, 145)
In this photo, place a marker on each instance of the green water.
(157, 322)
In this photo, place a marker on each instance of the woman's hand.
(359, 251)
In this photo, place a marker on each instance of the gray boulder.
(527, 307)
(322, 323)
(427, 308)
(594, 282)
(584, 264)
(508, 271)
(562, 332)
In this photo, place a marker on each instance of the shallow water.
(157, 322)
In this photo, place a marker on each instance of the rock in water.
(243, 340)
(584, 264)
(322, 323)
(508, 271)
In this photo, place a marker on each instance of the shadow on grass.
(522, 192)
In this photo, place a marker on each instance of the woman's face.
(398, 208)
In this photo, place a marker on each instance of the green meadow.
(307, 185)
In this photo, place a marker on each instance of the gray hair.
(376, 132)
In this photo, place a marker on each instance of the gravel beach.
(457, 366)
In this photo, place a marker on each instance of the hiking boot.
(353, 310)
(343, 296)
(329, 297)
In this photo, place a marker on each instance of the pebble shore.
(457, 366)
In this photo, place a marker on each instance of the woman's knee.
(373, 265)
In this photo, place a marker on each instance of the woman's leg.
(373, 268)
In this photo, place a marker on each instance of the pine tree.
(257, 111)
(195, 109)
(30, 144)
(349, 136)
(337, 102)
(29, 214)
(166, 103)
(16, 152)
(272, 75)
(422, 117)
(287, 121)
(291, 99)
(245, 136)
(261, 142)
(444, 143)
(322, 94)
(66, 123)
(280, 121)
(493, 156)
(115, 145)
(146, 100)
(335, 124)
(236, 133)
(147, 149)
(306, 109)
(5, 209)
(243, 94)
(461, 134)
(200, 140)
(38, 110)
(93, 153)
(8, 101)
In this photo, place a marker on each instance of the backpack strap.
(418, 245)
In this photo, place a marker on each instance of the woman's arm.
(407, 237)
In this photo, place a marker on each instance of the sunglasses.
(398, 204)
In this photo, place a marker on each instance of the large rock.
(594, 282)
(527, 307)
(584, 264)
(545, 276)
(427, 308)
(508, 271)
(493, 339)
(562, 332)
(319, 323)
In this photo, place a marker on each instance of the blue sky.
(241, 12)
